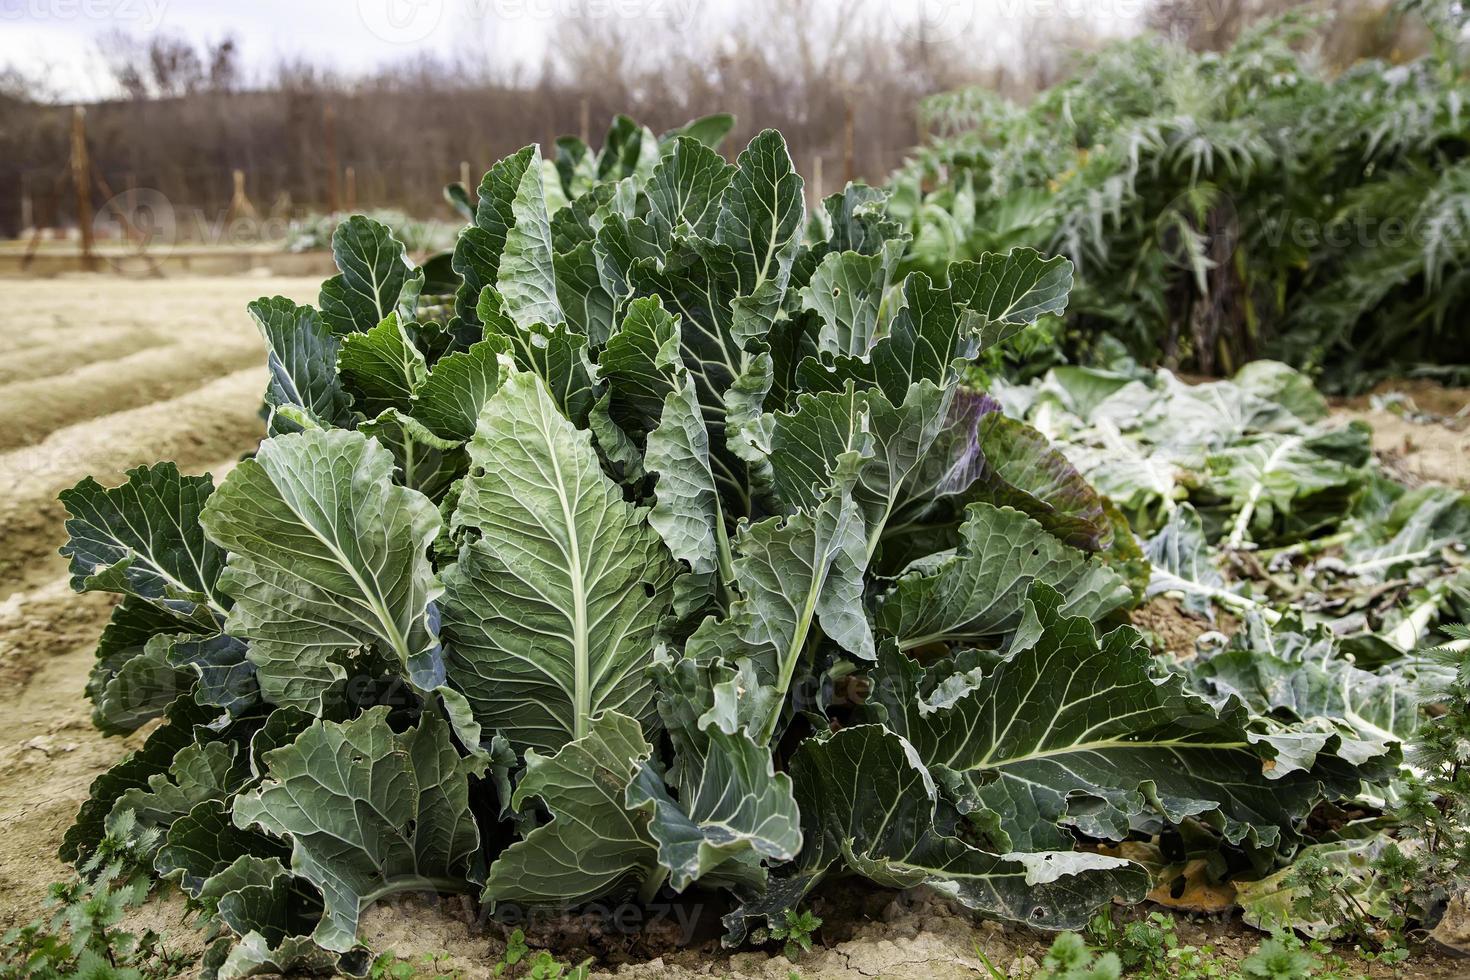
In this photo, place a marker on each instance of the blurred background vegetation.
(1231, 178)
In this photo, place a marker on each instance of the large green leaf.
(368, 812)
(793, 573)
(381, 367)
(423, 461)
(687, 512)
(144, 539)
(594, 845)
(980, 591)
(556, 353)
(685, 188)
(696, 283)
(450, 399)
(581, 294)
(302, 357)
(1076, 732)
(526, 274)
(552, 607)
(925, 339)
(374, 269)
(327, 555)
(477, 254)
(760, 221)
(732, 808)
(127, 693)
(868, 804)
(808, 445)
(995, 458)
(205, 841)
(134, 678)
(1010, 291)
(641, 364)
(846, 291)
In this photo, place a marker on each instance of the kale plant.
(663, 553)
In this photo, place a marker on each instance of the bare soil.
(107, 374)
(1426, 442)
(110, 374)
(1175, 628)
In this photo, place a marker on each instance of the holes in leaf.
(836, 291)
(648, 590)
(1038, 913)
(410, 826)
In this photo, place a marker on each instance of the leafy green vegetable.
(606, 577)
(1219, 206)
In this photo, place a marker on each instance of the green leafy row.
(663, 552)
(1220, 207)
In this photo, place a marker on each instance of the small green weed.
(797, 931)
(81, 938)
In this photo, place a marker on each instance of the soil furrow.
(194, 430)
(35, 409)
(46, 360)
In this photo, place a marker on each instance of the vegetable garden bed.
(667, 564)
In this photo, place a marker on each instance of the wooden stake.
(81, 178)
(130, 202)
(586, 120)
(240, 204)
(351, 174)
(849, 171)
(329, 143)
(27, 210)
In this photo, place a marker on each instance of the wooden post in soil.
(240, 204)
(849, 140)
(329, 145)
(130, 205)
(351, 178)
(27, 211)
(81, 178)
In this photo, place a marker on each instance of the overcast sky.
(57, 39)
